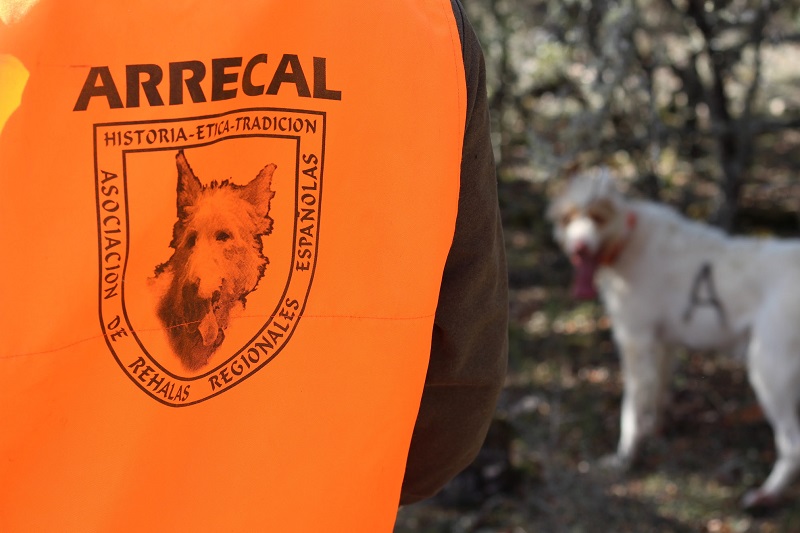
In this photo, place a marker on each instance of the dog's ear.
(258, 191)
(189, 187)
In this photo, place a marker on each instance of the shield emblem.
(207, 233)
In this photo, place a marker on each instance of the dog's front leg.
(646, 370)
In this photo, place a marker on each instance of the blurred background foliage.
(695, 103)
(666, 92)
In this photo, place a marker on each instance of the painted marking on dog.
(703, 294)
(229, 278)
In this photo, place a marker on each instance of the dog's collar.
(610, 255)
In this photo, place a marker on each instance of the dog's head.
(218, 258)
(589, 223)
(217, 238)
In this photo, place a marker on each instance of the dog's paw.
(758, 500)
(615, 463)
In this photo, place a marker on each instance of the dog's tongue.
(585, 266)
(209, 329)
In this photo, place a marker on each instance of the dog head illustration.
(589, 223)
(217, 260)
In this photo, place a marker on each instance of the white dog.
(665, 280)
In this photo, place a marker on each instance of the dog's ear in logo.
(217, 261)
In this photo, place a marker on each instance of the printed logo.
(208, 230)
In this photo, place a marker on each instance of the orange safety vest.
(223, 227)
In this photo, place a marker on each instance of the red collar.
(610, 254)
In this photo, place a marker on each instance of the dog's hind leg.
(774, 371)
(646, 369)
(783, 417)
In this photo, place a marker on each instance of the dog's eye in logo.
(218, 259)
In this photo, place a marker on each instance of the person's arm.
(470, 335)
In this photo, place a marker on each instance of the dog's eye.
(191, 240)
(223, 236)
(598, 218)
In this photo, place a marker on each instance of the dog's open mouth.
(208, 327)
(585, 264)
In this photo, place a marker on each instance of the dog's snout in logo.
(218, 259)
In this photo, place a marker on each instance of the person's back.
(225, 229)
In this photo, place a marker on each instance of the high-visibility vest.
(223, 227)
